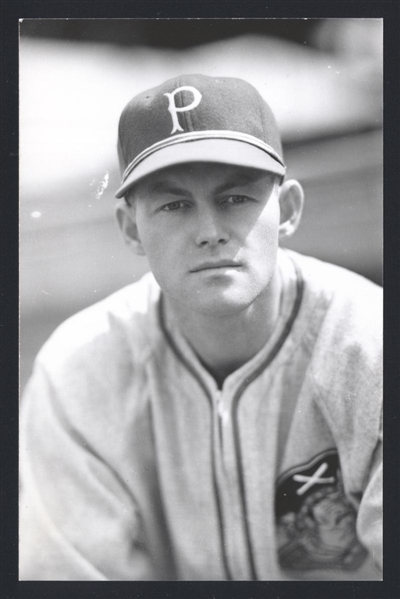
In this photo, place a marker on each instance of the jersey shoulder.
(347, 303)
(342, 316)
(122, 326)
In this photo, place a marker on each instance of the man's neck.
(224, 343)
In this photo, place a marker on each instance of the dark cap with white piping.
(197, 118)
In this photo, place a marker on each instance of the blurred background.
(322, 78)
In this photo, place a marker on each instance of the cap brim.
(220, 151)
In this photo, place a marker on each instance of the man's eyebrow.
(168, 187)
(239, 181)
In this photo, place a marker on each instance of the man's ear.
(126, 218)
(291, 200)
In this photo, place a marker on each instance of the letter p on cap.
(173, 109)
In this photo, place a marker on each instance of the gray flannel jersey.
(135, 466)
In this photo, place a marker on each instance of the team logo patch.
(316, 523)
(173, 109)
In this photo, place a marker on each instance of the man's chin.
(221, 305)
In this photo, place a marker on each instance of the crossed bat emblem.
(314, 479)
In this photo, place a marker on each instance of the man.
(221, 418)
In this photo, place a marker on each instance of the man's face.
(210, 233)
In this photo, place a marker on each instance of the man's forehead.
(183, 174)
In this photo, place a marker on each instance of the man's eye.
(236, 199)
(172, 206)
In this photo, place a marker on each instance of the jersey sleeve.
(78, 519)
(348, 379)
(370, 513)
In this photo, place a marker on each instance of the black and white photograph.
(200, 283)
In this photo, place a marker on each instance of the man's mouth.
(216, 264)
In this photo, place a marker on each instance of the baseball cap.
(197, 118)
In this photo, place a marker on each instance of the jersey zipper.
(221, 411)
(222, 416)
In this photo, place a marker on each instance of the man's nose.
(211, 230)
